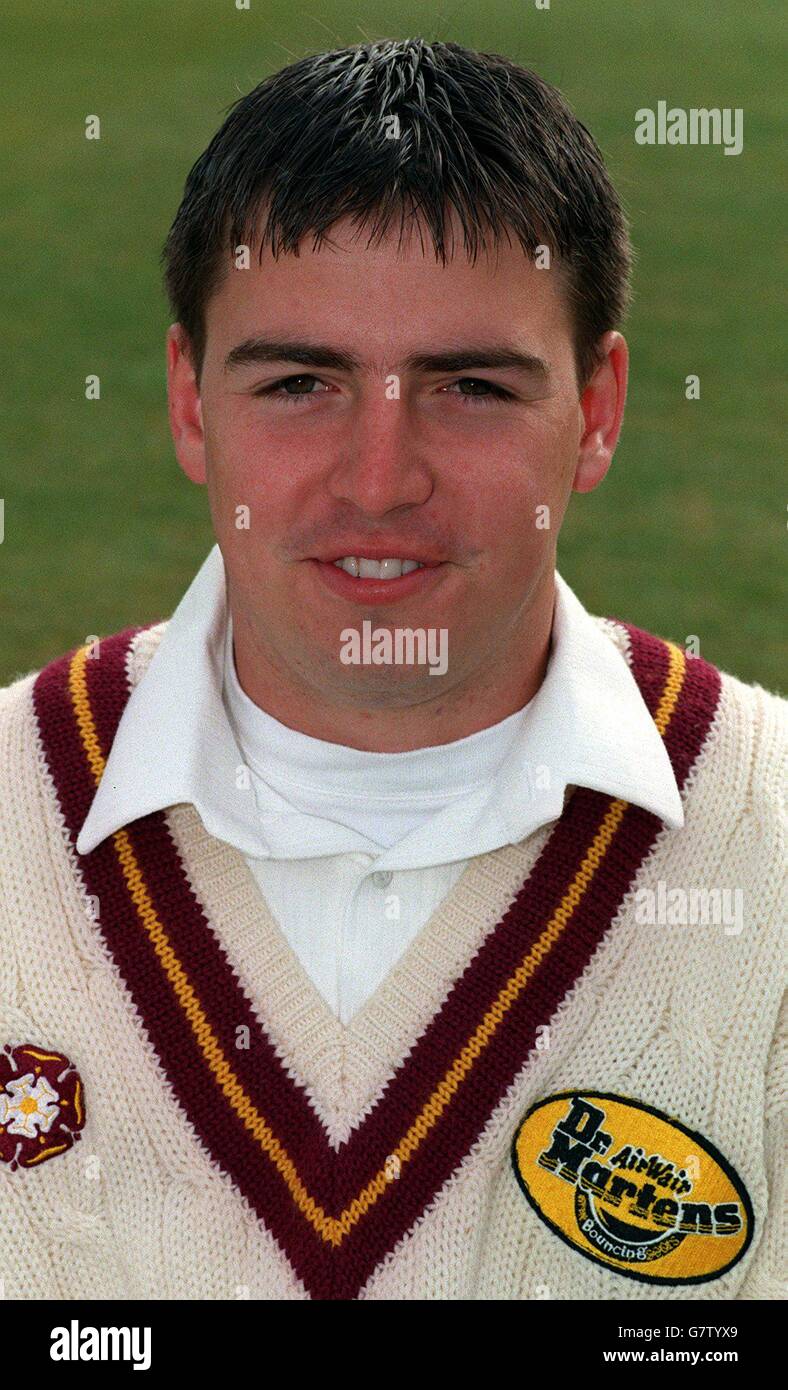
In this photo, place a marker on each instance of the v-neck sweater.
(242, 1142)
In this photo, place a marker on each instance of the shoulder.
(750, 747)
(740, 730)
(17, 723)
(132, 647)
(41, 704)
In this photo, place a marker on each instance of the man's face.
(386, 430)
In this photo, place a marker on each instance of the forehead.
(392, 293)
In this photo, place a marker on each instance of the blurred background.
(102, 530)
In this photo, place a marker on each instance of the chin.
(399, 680)
(376, 686)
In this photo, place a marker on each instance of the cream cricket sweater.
(570, 1085)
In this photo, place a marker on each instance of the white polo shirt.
(353, 851)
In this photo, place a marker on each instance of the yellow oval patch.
(632, 1188)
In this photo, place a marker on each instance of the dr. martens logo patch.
(632, 1188)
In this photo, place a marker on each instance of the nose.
(381, 467)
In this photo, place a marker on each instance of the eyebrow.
(259, 351)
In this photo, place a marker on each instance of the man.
(384, 925)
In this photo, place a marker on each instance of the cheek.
(246, 470)
(506, 494)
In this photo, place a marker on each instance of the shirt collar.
(587, 726)
(174, 738)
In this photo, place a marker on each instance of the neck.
(497, 687)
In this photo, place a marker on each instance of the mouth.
(370, 579)
(363, 567)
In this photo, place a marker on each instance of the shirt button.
(382, 878)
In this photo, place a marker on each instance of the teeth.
(361, 568)
(370, 569)
(389, 569)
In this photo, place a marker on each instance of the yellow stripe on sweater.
(332, 1229)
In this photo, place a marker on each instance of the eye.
(477, 389)
(293, 388)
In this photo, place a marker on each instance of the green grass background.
(102, 530)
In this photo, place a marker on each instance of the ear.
(184, 404)
(602, 409)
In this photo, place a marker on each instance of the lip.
(373, 591)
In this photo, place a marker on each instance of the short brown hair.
(473, 132)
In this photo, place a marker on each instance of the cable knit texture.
(235, 1129)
